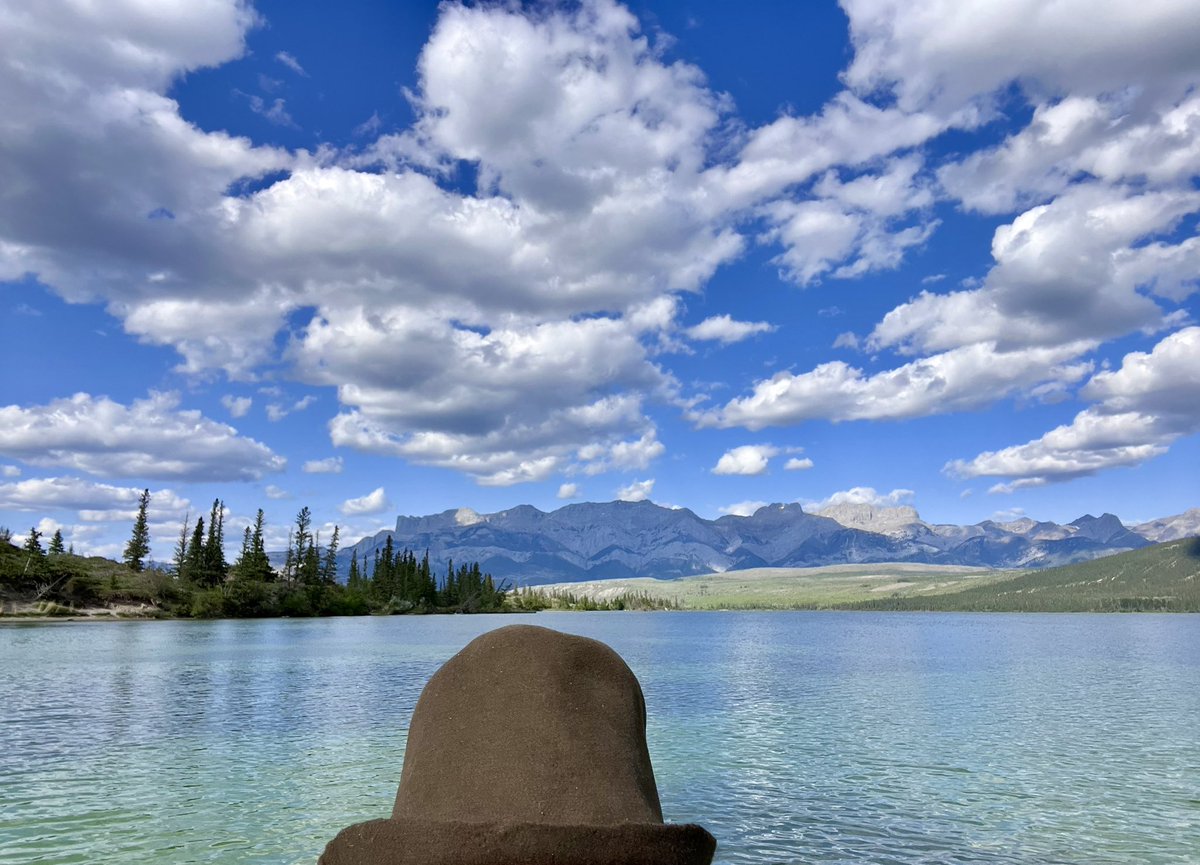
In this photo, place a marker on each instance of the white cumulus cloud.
(1139, 410)
(725, 330)
(636, 491)
(327, 466)
(745, 460)
(150, 438)
(374, 502)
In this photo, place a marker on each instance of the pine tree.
(56, 543)
(215, 566)
(139, 544)
(181, 548)
(194, 560)
(35, 561)
(329, 565)
(310, 568)
(33, 543)
(354, 578)
(238, 571)
(260, 563)
(301, 541)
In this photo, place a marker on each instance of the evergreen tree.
(329, 564)
(215, 566)
(354, 579)
(35, 561)
(33, 544)
(56, 543)
(139, 544)
(259, 567)
(289, 561)
(238, 571)
(194, 560)
(301, 541)
(312, 562)
(181, 548)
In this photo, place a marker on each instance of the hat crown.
(528, 725)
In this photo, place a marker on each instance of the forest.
(201, 583)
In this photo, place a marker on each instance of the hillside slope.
(1162, 577)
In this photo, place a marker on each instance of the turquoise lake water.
(793, 737)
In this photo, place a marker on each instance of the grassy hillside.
(791, 588)
(63, 584)
(1163, 577)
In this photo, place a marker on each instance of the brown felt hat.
(527, 747)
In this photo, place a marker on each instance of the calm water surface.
(793, 737)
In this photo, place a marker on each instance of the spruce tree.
(353, 580)
(298, 552)
(215, 566)
(35, 561)
(56, 543)
(260, 563)
(139, 543)
(194, 560)
(181, 548)
(329, 565)
(33, 543)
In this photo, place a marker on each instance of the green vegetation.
(532, 600)
(1165, 577)
(203, 585)
(139, 545)
(786, 588)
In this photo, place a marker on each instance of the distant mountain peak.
(871, 518)
(600, 540)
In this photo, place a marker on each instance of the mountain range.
(590, 541)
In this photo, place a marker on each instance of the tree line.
(200, 581)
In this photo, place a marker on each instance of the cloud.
(94, 502)
(944, 54)
(745, 460)
(276, 493)
(277, 411)
(374, 502)
(610, 180)
(636, 491)
(724, 329)
(1140, 409)
(798, 464)
(512, 405)
(237, 406)
(568, 491)
(851, 227)
(273, 111)
(327, 466)
(742, 509)
(9, 472)
(150, 438)
(290, 62)
(863, 496)
(957, 380)
(1082, 267)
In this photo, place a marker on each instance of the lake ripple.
(793, 737)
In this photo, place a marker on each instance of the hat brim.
(419, 842)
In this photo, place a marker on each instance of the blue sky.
(382, 258)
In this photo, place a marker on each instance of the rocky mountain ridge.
(589, 541)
